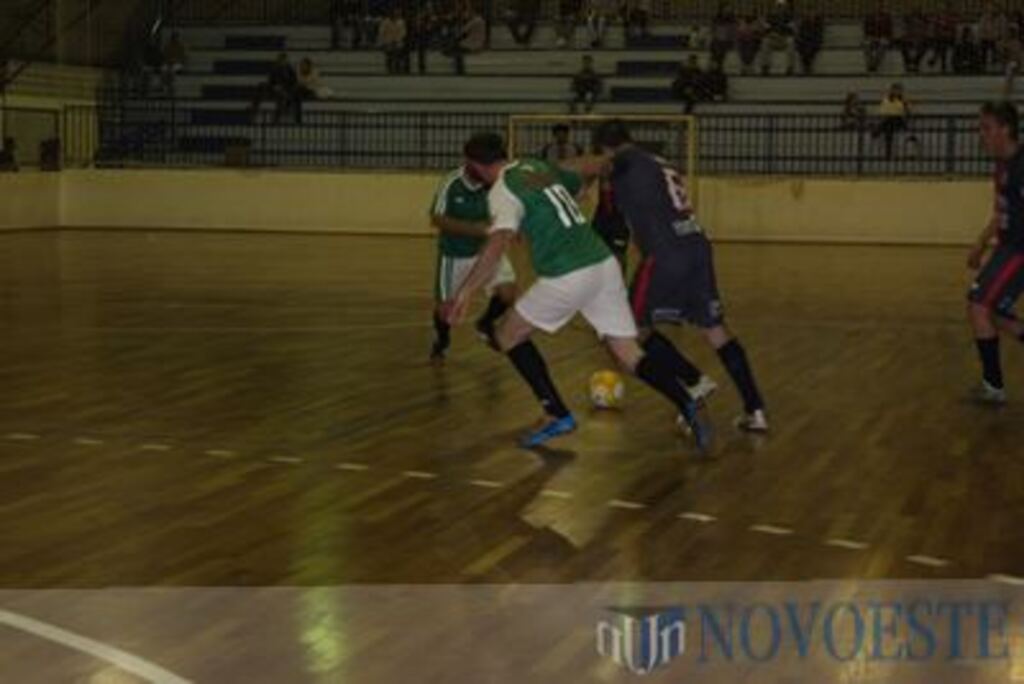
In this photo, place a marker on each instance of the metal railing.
(321, 11)
(128, 135)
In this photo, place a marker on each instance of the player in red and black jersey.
(1000, 282)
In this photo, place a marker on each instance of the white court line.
(352, 467)
(221, 453)
(88, 441)
(486, 484)
(21, 437)
(284, 460)
(698, 517)
(929, 561)
(626, 505)
(155, 447)
(419, 475)
(1007, 579)
(848, 544)
(253, 329)
(125, 661)
(555, 494)
(771, 529)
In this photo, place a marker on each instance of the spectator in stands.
(586, 87)
(987, 37)
(1013, 57)
(687, 84)
(778, 37)
(748, 42)
(942, 30)
(391, 35)
(967, 53)
(309, 86)
(174, 57)
(854, 114)
(471, 38)
(523, 20)
(878, 36)
(723, 35)
(913, 42)
(894, 117)
(810, 36)
(599, 14)
(9, 156)
(560, 148)
(280, 87)
(569, 12)
(636, 18)
(423, 34)
(715, 86)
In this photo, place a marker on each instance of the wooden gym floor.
(231, 410)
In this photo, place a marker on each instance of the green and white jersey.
(460, 198)
(538, 199)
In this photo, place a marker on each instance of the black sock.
(530, 364)
(684, 370)
(442, 333)
(991, 368)
(655, 368)
(734, 358)
(495, 308)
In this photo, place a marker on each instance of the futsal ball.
(607, 389)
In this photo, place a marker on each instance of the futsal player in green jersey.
(576, 273)
(462, 218)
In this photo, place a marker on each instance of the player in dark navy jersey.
(676, 280)
(610, 224)
(1000, 282)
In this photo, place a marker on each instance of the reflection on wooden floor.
(227, 410)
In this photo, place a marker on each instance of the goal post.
(672, 136)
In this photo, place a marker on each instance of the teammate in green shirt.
(461, 216)
(575, 274)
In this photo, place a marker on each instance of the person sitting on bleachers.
(1012, 53)
(9, 156)
(913, 41)
(174, 57)
(894, 117)
(523, 20)
(714, 85)
(560, 148)
(470, 38)
(810, 36)
(279, 87)
(942, 32)
(569, 12)
(391, 36)
(878, 37)
(967, 54)
(778, 37)
(309, 86)
(586, 87)
(636, 17)
(687, 83)
(748, 42)
(599, 15)
(986, 35)
(723, 35)
(854, 114)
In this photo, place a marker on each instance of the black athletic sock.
(495, 308)
(734, 358)
(655, 369)
(991, 368)
(530, 364)
(683, 368)
(442, 333)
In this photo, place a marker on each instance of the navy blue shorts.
(678, 286)
(1000, 282)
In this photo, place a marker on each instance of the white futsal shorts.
(452, 272)
(598, 292)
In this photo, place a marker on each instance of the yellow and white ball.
(607, 390)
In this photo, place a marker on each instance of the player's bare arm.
(590, 167)
(459, 228)
(483, 272)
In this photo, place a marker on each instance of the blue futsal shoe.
(694, 421)
(556, 427)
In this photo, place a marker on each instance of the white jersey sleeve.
(507, 210)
